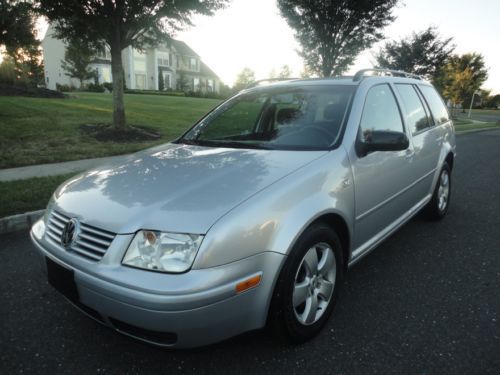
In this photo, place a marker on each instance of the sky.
(251, 33)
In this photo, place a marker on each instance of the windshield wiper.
(221, 143)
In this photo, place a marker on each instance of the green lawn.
(34, 131)
(21, 196)
(464, 124)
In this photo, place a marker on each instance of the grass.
(28, 195)
(36, 130)
(463, 124)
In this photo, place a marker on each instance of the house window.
(139, 61)
(103, 53)
(196, 84)
(210, 85)
(164, 59)
(193, 64)
(106, 74)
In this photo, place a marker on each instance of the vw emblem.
(69, 233)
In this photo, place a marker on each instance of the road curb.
(19, 222)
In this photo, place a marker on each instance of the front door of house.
(140, 81)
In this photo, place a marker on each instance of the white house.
(181, 67)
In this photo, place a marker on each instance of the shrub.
(108, 86)
(154, 92)
(64, 88)
(92, 87)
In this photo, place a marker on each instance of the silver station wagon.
(253, 216)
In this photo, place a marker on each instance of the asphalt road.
(427, 301)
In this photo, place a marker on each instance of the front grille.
(91, 242)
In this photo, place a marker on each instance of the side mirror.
(382, 140)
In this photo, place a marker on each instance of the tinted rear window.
(416, 117)
(438, 109)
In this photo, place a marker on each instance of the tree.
(285, 72)
(306, 73)
(120, 24)
(461, 77)
(492, 101)
(16, 25)
(77, 58)
(273, 73)
(243, 79)
(423, 53)
(17, 36)
(333, 32)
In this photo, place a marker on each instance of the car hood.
(178, 188)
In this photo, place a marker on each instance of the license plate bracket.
(62, 279)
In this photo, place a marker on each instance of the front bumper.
(192, 309)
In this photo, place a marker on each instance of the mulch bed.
(34, 92)
(107, 133)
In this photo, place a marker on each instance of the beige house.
(180, 67)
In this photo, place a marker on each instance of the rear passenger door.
(426, 137)
(383, 180)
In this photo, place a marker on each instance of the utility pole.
(472, 101)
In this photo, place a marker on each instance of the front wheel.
(308, 285)
(438, 206)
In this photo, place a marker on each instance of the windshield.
(306, 117)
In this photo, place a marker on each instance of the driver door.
(382, 179)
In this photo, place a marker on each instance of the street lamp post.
(472, 100)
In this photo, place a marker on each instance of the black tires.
(308, 285)
(438, 206)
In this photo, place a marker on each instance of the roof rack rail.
(394, 73)
(257, 83)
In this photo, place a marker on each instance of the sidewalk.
(53, 169)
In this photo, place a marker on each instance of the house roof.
(205, 70)
(182, 48)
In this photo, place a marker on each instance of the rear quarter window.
(436, 104)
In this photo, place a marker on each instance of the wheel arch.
(450, 158)
(337, 223)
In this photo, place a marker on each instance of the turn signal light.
(248, 283)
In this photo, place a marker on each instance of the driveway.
(427, 301)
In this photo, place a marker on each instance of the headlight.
(159, 251)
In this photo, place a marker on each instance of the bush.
(64, 88)
(92, 87)
(194, 94)
(108, 86)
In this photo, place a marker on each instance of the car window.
(380, 112)
(240, 120)
(416, 118)
(290, 117)
(436, 104)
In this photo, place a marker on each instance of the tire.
(437, 208)
(305, 283)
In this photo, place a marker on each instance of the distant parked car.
(253, 215)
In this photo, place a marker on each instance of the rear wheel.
(308, 285)
(438, 206)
